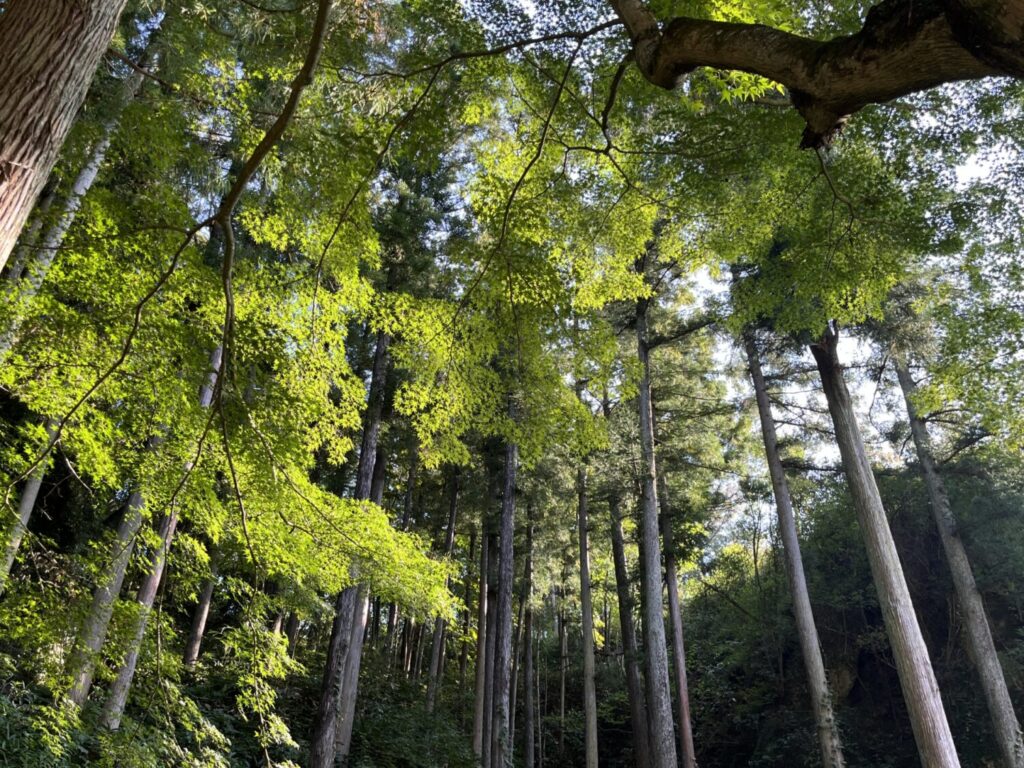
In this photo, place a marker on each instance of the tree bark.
(492, 637)
(587, 609)
(113, 710)
(913, 665)
(529, 743)
(97, 621)
(437, 642)
(49, 51)
(199, 617)
(501, 756)
(675, 613)
(481, 650)
(467, 597)
(659, 696)
(630, 651)
(26, 505)
(807, 633)
(903, 47)
(977, 633)
(353, 662)
(337, 674)
(39, 257)
(322, 745)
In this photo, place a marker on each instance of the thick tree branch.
(905, 46)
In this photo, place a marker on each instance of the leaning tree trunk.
(587, 609)
(501, 749)
(630, 651)
(113, 710)
(26, 504)
(117, 698)
(659, 695)
(49, 51)
(35, 263)
(437, 642)
(94, 631)
(675, 612)
(198, 627)
(976, 628)
(807, 633)
(199, 617)
(913, 664)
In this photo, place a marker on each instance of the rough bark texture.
(501, 755)
(913, 664)
(904, 46)
(35, 258)
(675, 612)
(587, 611)
(630, 652)
(659, 696)
(350, 683)
(49, 51)
(977, 634)
(94, 630)
(322, 746)
(807, 633)
(113, 710)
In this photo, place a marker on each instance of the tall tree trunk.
(659, 696)
(492, 637)
(437, 642)
(113, 710)
(630, 651)
(563, 663)
(913, 665)
(49, 51)
(26, 504)
(353, 662)
(350, 684)
(28, 242)
(467, 597)
(675, 612)
(322, 746)
(587, 609)
(977, 633)
(117, 698)
(94, 630)
(199, 617)
(291, 631)
(529, 744)
(525, 591)
(479, 713)
(327, 728)
(807, 633)
(502, 747)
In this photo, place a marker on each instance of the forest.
(512, 384)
